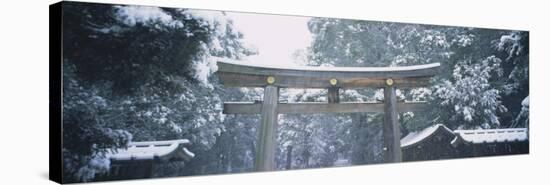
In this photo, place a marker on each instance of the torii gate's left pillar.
(265, 149)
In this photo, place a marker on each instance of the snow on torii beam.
(234, 74)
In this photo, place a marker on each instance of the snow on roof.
(153, 150)
(415, 137)
(492, 135)
(468, 136)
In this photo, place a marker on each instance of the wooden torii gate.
(235, 74)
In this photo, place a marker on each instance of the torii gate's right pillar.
(391, 132)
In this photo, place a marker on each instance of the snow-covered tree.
(515, 46)
(474, 100)
(140, 70)
(87, 129)
(522, 119)
(493, 66)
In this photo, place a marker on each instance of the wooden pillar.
(265, 154)
(333, 95)
(391, 132)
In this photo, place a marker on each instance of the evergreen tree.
(140, 73)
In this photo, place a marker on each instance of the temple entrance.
(233, 74)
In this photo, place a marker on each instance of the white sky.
(276, 37)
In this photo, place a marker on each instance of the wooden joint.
(389, 82)
(270, 80)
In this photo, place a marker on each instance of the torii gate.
(234, 74)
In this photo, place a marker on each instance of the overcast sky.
(276, 37)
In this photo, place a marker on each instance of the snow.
(150, 149)
(523, 117)
(189, 153)
(511, 44)
(473, 97)
(434, 38)
(467, 113)
(525, 102)
(334, 69)
(493, 135)
(420, 94)
(216, 21)
(131, 15)
(98, 164)
(210, 18)
(415, 137)
(302, 95)
(464, 40)
(204, 68)
(358, 97)
(176, 128)
(469, 136)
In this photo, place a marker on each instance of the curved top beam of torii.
(238, 74)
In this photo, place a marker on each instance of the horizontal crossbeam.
(312, 108)
(247, 80)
